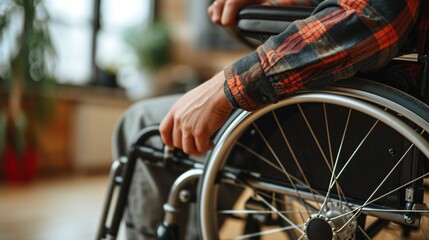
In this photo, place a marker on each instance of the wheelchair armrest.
(257, 23)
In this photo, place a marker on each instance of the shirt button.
(264, 99)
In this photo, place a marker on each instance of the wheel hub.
(319, 228)
(331, 223)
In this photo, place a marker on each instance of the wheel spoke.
(265, 160)
(388, 175)
(285, 139)
(369, 201)
(279, 213)
(391, 171)
(309, 205)
(377, 188)
(364, 233)
(396, 189)
(314, 137)
(328, 135)
(279, 201)
(333, 177)
(274, 154)
(382, 196)
(285, 172)
(331, 155)
(300, 200)
(270, 206)
(324, 155)
(302, 236)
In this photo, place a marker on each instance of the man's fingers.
(166, 130)
(189, 145)
(230, 11)
(177, 137)
(203, 142)
(216, 11)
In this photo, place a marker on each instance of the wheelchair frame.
(184, 186)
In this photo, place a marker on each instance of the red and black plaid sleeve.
(339, 39)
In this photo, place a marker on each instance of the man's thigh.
(139, 115)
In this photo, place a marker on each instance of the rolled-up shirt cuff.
(246, 85)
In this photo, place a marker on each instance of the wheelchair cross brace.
(121, 175)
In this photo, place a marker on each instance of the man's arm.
(339, 39)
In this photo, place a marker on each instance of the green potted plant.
(151, 46)
(25, 81)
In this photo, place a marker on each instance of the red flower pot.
(20, 168)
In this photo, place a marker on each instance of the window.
(79, 45)
(71, 32)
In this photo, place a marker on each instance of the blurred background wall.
(60, 104)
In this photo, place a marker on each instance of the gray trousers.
(150, 185)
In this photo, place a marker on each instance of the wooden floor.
(63, 209)
(59, 209)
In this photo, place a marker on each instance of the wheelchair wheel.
(346, 162)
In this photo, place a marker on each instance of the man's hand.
(196, 116)
(224, 12)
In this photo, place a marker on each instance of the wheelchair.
(349, 161)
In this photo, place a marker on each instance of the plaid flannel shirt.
(340, 38)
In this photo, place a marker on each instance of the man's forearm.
(341, 38)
